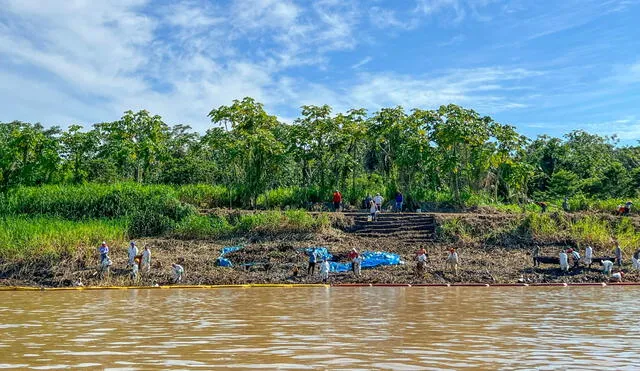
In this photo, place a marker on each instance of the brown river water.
(412, 328)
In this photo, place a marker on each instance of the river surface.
(323, 328)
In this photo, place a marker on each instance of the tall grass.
(95, 201)
(201, 226)
(22, 237)
(207, 196)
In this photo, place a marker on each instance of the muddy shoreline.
(277, 255)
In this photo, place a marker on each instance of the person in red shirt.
(354, 257)
(337, 200)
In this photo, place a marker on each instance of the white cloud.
(362, 62)
(387, 18)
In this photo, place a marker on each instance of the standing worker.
(313, 259)
(104, 252)
(373, 210)
(617, 251)
(452, 261)
(399, 202)
(337, 200)
(378, 201)
(133, 252)
(146, 259)
(367, 201)
(421, 261)
(588, 256)
(354, 257)
(324, 270)
(636, 259)
(564, 261)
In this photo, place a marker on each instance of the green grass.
(22, 237)
(211, 226)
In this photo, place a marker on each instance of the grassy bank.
(597, 230)
(26, 237)
(54, 237)
(127, 199)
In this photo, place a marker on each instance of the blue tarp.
(370, 259)
(224, 262)
(321, 252)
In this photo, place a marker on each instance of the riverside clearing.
(493, 248)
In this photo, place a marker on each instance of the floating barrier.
(315, 285)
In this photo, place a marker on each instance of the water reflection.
(332, 328)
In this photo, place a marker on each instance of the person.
(543, 206)
(617, 251)
(534, 254)
(313, 259)
(564, 261)
(373, 210)
(367, 201)
(378, 201)
(354, 257)
(565, 204)
(607, 266)
(636, 259)
(625, 209)
(452, 261)
(421, 261)
(178, 272)
(588, 256)
(324, 270)
(575, 256)
(133, 252)
(146, 259)
(104, 252)
(337, 200)
(617, 277)
(134, 270)
(399, 202)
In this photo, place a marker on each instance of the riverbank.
(494, 248)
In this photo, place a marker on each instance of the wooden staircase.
(408, 227)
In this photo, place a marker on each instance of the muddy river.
(323, 328)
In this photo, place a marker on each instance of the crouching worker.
(564, 261)
(324, 270)
(178, 272)
(575, 256)
(451, 264)
(617, 277)
(607, 266)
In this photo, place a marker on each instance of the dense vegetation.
(248, 158)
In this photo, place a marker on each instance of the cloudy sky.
(545, 66)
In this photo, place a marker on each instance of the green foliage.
(24, 237)
(96, 201)
(206, 196)
(250, 159)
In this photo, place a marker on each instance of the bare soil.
(273, 258)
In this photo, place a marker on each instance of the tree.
(251, 147)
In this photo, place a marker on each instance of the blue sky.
(543, 66)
